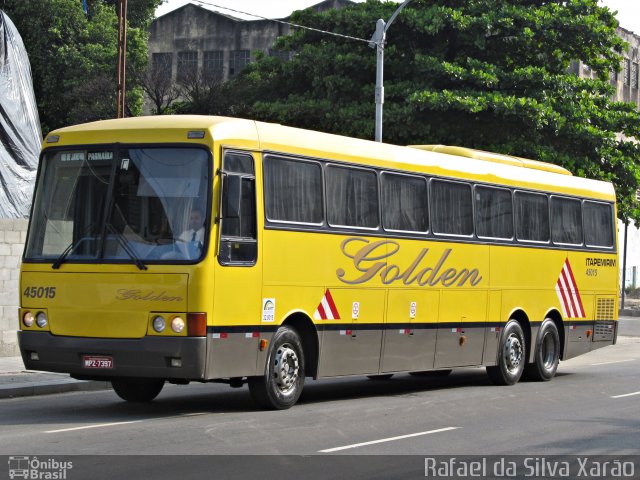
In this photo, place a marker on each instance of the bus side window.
(238, 243)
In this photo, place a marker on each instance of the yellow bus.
(194, 248)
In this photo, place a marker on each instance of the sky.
(628, 10)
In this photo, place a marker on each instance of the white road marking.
(609, 363)
(391, 439)
(626, 395)
(86, 427)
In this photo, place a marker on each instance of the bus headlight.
(159, 324)
(177, 324)
(27, 319)
(41, 319)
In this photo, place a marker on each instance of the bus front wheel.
(547, 354)
(137, 389)
(511, 356)
(281, 385)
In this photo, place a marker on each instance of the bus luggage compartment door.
(351, 344)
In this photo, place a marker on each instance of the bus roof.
(441, 160)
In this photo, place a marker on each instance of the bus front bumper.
(179, 358)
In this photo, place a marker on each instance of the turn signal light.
(197, 324)
(589, 333)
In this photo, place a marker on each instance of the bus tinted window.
(566, 221)
(238, 163)
(404, 203)
(532, 217)
(352, 197)
(452, 210)
(494, 213)
(293, 190)
(598, 224)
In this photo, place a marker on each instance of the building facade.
(195, 40)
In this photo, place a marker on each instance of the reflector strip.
(327, 308)
(568, 294)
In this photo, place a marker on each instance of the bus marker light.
(53, 138)
(263, 344)
(34, 356)
(195, 134)
(197, 324)
(589, 332)
(176, 362)
(463, 340)
(41, 319)
(28, 319)
(159, 324)
(177, 324)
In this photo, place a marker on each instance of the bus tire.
(137, 389)
(511, 356)
(281, 385)
(547, 353)
(383, 376)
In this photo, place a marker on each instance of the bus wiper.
(126, 247)
(72, 246)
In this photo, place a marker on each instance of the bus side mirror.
(232, 194)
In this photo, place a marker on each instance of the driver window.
(238, 244)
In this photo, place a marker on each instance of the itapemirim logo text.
(38, 469)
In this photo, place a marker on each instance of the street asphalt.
(16, 381)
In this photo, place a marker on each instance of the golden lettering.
(372, 258)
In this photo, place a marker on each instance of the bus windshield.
(121, 204)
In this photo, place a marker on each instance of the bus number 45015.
(39, 292)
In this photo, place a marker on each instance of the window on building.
(626, 71)
(238, 60)
(494, 213)
(532, 217)
(613, 77)
(213, 65)
(451, 208)
(634, 75)
(404, 203)
(352, 197)
(566, 221)
(293, 190)
(161, 63)
(187, 65)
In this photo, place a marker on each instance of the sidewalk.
(15, 381)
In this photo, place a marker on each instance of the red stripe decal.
(332, 305)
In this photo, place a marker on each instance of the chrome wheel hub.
(513, 352)
(285, 368)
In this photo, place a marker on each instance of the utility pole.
(122, 56)
(377, 42)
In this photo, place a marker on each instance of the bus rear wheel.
(137, 389)
(511, 356)
(547, 354)
(281, 385)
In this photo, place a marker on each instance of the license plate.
(92, 361)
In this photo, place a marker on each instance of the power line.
(294, 25)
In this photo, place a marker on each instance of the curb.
(51, 387)
(627, 312)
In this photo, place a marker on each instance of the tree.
(487, 74)
(73, 56)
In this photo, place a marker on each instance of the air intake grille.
(604, 328)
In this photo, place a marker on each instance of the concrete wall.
(12, 236)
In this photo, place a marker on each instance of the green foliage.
(487, 74)
(73, 56)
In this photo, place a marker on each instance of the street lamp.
(377, 41)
